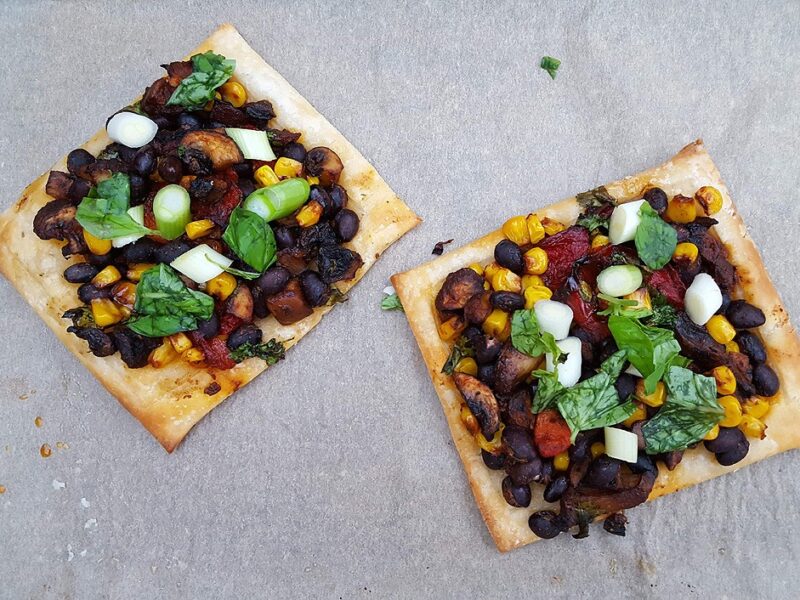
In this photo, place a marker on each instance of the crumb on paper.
(62, 445)
(85, 503)
(90, 524)
(83, 552)
(58, 485)
(70, 553)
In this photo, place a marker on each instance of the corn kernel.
(493, 445)
(234, 93)
(757, 408)
(125, 311)
(561, 461)
(721, 329)
(162, 355)
(685, 251)
(733, 411)
(497, 324)
(640, 414)
(552, 227)
(450, 329)
(124, 293)
(477, 267)
(752, 427)
(681, 209)
(180, 341)
(312, 180)
(217, 95)
(96, 245)
(731, 347)
(535, 229)
(467, 365)
(535, 261)
(490, 269)
(709, 198)
(108, 276)
(136, 270)
(221, 286)
(469, 420)
(712, 433)
(194, 356)
(642, 299)
(516, 230)
(105, 312)
(505, 280)
(310, 214)
(535, 293)
(532, 280)
(726, 382)
(197, 229)
(597, 449)
(655, 399)
(265, 176)
(487, 286)
(600, 240)
(287, 167)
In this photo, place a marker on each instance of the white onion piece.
(624, 221)
(569, 372)
(621, 444)
(389, 290)
(131, 129)
(137, 214)
(619, 280)
(553, 317)
(703, 298)
(201, 263)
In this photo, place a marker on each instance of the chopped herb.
(550, 65)
(391, 302)
(271, 351)
(104, 210)
(528, 338)
(438, 248)
(664, 315)
(547, 390)
(596, 198)
(622, 307)
(690, 412)
(461, 349)
(655, 238)
(592, 222)
(80, 316)
(337, 296)
(108, 153)
(209, 71)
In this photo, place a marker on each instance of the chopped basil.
(690, 411)
(271, 351)
(103, 212)
(528, 338)
(209, 71)
(337, 296)
(664, 315)
(461, 349)
(164, 305)
(391, 302)
(655, 238)
(550, 65)
(251, 239)
(80, 316)
(622, 307)
(547, 390)
(592, 222)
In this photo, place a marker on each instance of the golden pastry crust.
(170, 400)
(687, 171)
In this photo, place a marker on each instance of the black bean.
(544, 524)
(507, 301)
(523, 473)
(765, 381)
(295, 151)
(141, 251)
(247, 186)
(339, 196)
(100, 343)
(473, 335)
(556, 488)
(751, 345)
(726, 298)
(516, 495)
(346, 224)
(246, 334)
(78, 158)
(244, 170)
(547, 471)
(144, 162)
(188, 122)
(602, 472)
(80, 273)
(734, 455)
(486, 374)
(744, 315)
(88, 292)
(170, 169)
(643, 464)
(285, 238)
(99, 260)
(260, 309)
(169, 252)
(519, 442)
(625, 385)
(133, 348)
(196, 161)
(319, 195)
(139, 186)
(726, 440)
(210, 327)
(487, 349)
(314, 289)
(509, 255)
(657, 199)
(494, 461)
(273, 280)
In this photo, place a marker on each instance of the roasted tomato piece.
(668, 283)
(551, 433)
(228, 323)
(216, 353)
(584, 314)
(563, 249)
(219, 211)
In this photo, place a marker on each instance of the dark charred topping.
(228, 115)
(336, 263)
(100, 343)
(481, 402)
(289, 305)
(458, 288)
(218, 147)
(195, 161)
(260, 112)
(177, 71)
(279, 138)
(208, 189)
(240, 303)
(133, 348)
(478, 307)
(324, 163)
(59, 185)
(294, 260)
(513, 367)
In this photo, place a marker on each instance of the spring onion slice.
(621, 444)
(172, 210)
(201, 263)
(137, 214)
(254, 144)
(619, 280)
(279, 200)
(131, 129)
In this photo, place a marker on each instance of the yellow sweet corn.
(685, 251)
(310, 214)
(467, 365)
(221, 286)
(287, 167)
(197, 229)
(505, 280)
(162, 355)
(600, 240)
(552, 227)
(733, 411)
(535, 293)
(136, 270)
(497, 324)
(726, 382)
(712, 433)
(108, 276)
(124, 293)
(597, 449)
(312, 180)
(491, 269)
(234, 93)
(265, 176)
(561, 461)
(96, 245)
(731, 347)
(535, 229)
(681, 209)
(640, 414)
(450, 330)
(535, 261)
(477, 267)
(757, 408)
(469, 420)
(531, 280)
(516, 230)
(106, 312)
(655, 399)
(709, 198)
(180, 341)
(492, 445)
(752, 427)
(194, 356)
(721, 329)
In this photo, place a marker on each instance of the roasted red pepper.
(229, 323)
(563, 250)
(584, 315)
(216, 353)
(667, 282)
(220, 211)
(551, 433)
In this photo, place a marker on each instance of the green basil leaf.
(550, 65)
(528, 338)
(270, 352)
(655, 239)
(164, 305)
(547, 390)
(690, 411)
(103, 212)
(461, 349)
(209, 71)
(251, 239)
(391, 302)
(663, 315)
(623, 307)
(592, 222)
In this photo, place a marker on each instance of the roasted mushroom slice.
(289, 305)
(513, 367)
(240, 303)
(480, 401)
(221, 149)
(478, 308)
(178, 70)
(228, 115)
(324, 163)
(56, 221)
(337, 264)
(58, 185)
(458, 288)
